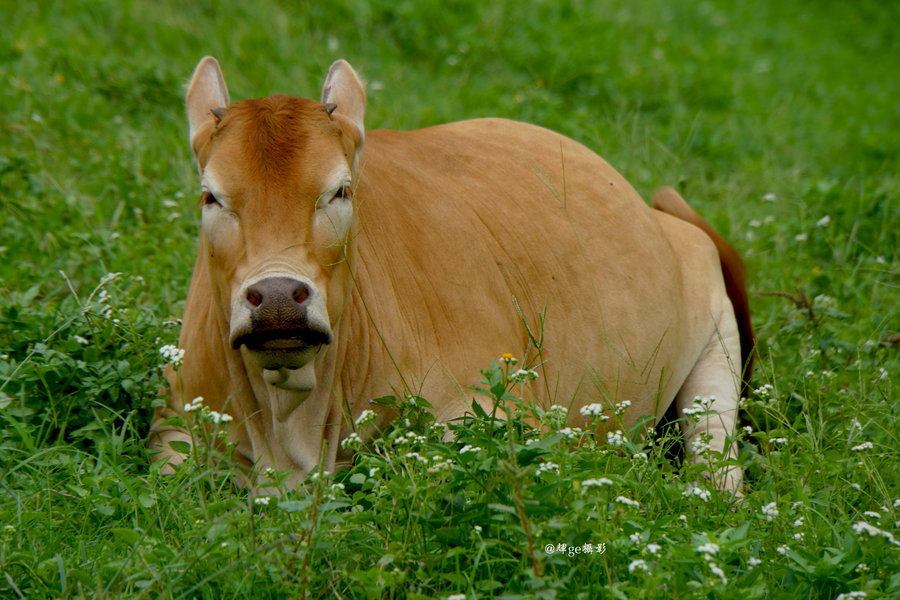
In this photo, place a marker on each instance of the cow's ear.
(207, 97)
(345, 92)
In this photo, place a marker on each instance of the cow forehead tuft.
(273, 132)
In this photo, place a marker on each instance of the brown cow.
(332, 271)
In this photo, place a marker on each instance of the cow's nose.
(283, 316)
(276, 292)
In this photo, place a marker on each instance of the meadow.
(777, 120)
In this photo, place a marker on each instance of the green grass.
(777, 120)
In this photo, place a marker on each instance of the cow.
(337, 265)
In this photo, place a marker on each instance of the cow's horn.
(219, 114)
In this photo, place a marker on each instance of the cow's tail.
(669, 201)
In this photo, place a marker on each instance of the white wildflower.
(704, 401)
(627, 501)
(365, 417)
(218, 418)
(638, 564)
(861, 527)
(653, 548)
(80, 340)
(698, 406)
(765, 390)
(469, 448)
(596, 482)
(546, 467)
(414, 437)
(863, 446)
(351, 441)
(261, 500)
(700, 447)
(857, 595)
(571, 432)
(699, 492)
(416, 456)
(439, 463)
(753, 562)
(708, 550)
(591, 410)
(172, 354)
(615, 438)
(770, 510)
(716, 570)
(823, 221)
(523, 375)
(558, 412)
(621, 406)
(782, 550)
(872, 514)
(780, 441)
(769, 197)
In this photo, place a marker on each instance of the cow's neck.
(300, 426)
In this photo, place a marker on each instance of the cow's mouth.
(281, 339)
(282, 349)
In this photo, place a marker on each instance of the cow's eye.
(207, 199)
(343, 193)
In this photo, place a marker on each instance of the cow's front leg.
(160, 439)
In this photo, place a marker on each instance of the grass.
(777, 120)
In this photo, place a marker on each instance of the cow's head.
(277, 177)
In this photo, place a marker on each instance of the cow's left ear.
(207, 97)
(344, 90)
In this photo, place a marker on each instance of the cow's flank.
(338, 265)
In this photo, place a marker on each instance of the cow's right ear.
(344, 91)
(207, 97)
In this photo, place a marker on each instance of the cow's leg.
(160, 438)
(715, 375)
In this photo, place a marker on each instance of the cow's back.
(457, 221)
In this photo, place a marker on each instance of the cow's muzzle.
(283, 324)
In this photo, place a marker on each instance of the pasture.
(777, 121)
